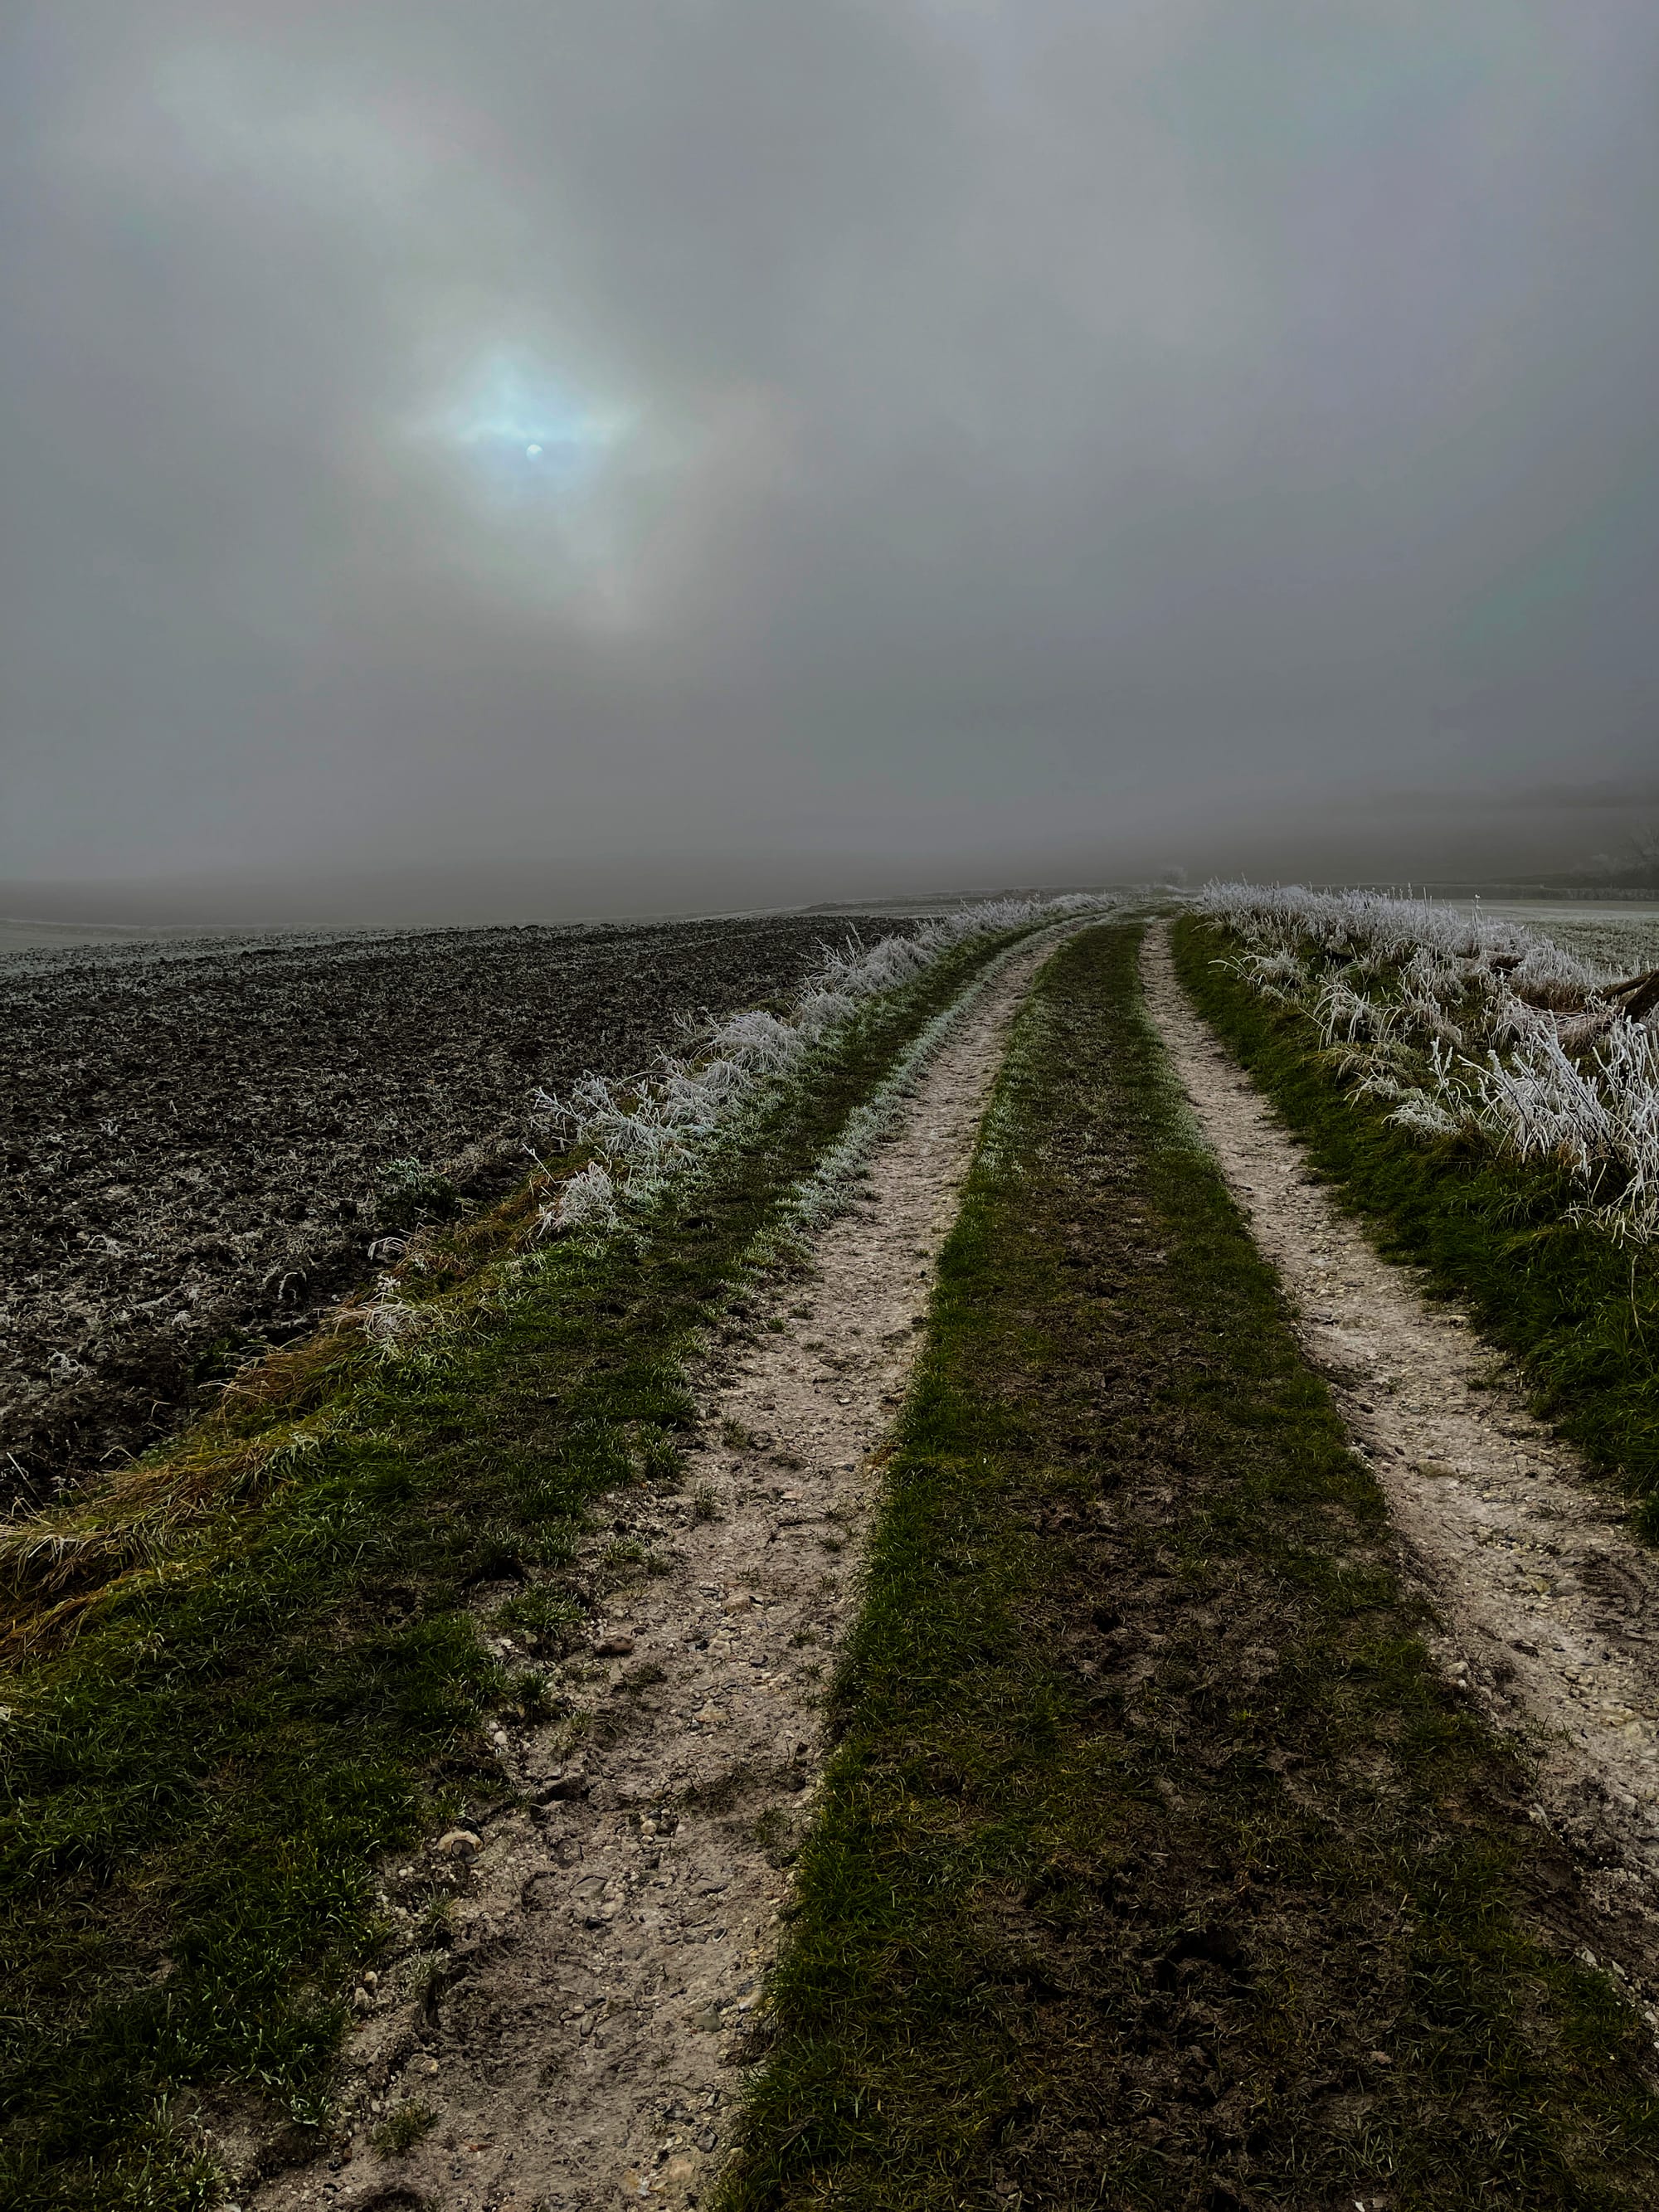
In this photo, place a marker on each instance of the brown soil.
(1547, 1603)
(577, 2044)
(195, 1138)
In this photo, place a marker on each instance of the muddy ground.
(200, 1143)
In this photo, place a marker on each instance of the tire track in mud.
(1549, 1608)
(580, 2044)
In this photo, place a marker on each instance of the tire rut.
(581, 2046)
(1548, 1606)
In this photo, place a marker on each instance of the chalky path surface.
(580, 2044)
(1551, 1610)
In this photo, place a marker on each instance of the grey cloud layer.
(1029, 425)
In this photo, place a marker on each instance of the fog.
(512, 458)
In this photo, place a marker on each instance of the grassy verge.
(265, 1696)
(1579, 1312)
(1155, 1866)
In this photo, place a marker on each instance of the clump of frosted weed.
(1471, 1026)
(641, 1131)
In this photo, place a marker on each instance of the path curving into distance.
(1549, 1608)
(582, 2046)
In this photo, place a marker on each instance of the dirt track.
(580, 2048)
(1547, 1602)
(195, 1138)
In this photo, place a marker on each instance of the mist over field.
(549, 461)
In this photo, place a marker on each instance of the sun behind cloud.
(525, 430)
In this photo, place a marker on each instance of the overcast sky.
(898, 436)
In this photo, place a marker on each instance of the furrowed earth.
(200, 1146)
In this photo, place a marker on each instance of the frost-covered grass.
(634, 1130)
(614, 1145)
(1506, 1231)
(1470, 1028)
(1622, 945)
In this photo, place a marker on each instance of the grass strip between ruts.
(1577, 1311)
(1156, 1865)
(193, 1793)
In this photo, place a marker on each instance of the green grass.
(194, 1793)
(1156, 1865)
(1578, 1313)
(401, 2130)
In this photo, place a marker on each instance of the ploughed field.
(201, 1147)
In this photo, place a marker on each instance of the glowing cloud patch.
(533, 489)
(526, 430)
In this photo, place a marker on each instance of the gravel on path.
(582, 2044)
(1549, 1608)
